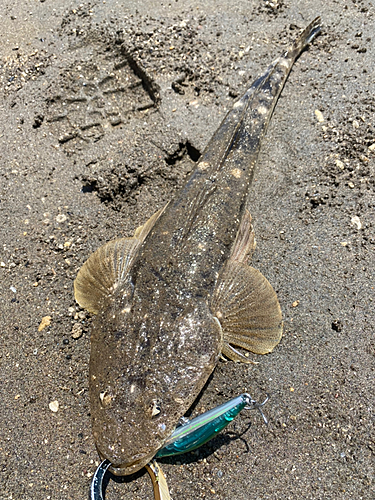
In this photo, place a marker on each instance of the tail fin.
(258, 102)
(307, 35)
(242, 128)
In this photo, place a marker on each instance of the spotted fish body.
(180, 293)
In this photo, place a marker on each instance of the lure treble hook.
(253, 405)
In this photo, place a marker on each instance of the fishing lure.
(192, 434)
(188, 436)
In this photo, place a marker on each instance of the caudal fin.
(307, 35)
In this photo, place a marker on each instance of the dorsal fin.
(244, 244)
(108, 266)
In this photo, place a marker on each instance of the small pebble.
(46, 321)
(54, 406)
(351, 185)
(340, 164)
(356, 222)
(319, 116)
(76, 331)
(13, 289)
(295, 303)
(61, 218)
(336, 325)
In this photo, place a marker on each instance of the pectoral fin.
(106, 268)
(248, 310)
(103, 271)
(142, 231)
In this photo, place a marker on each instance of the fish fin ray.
(103, 271)
(142, 231)
(245, 243)
(108, 266)
(248, 310)
(234, 355)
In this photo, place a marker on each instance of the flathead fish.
(180, 293)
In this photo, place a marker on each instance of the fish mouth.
(125, 469)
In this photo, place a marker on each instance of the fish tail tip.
(313, 29)
(308, 34)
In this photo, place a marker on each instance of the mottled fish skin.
(156, 338)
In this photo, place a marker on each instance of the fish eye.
(154, 408)
(105, 398)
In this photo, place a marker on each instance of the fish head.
(145, 372)
(132, 428)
